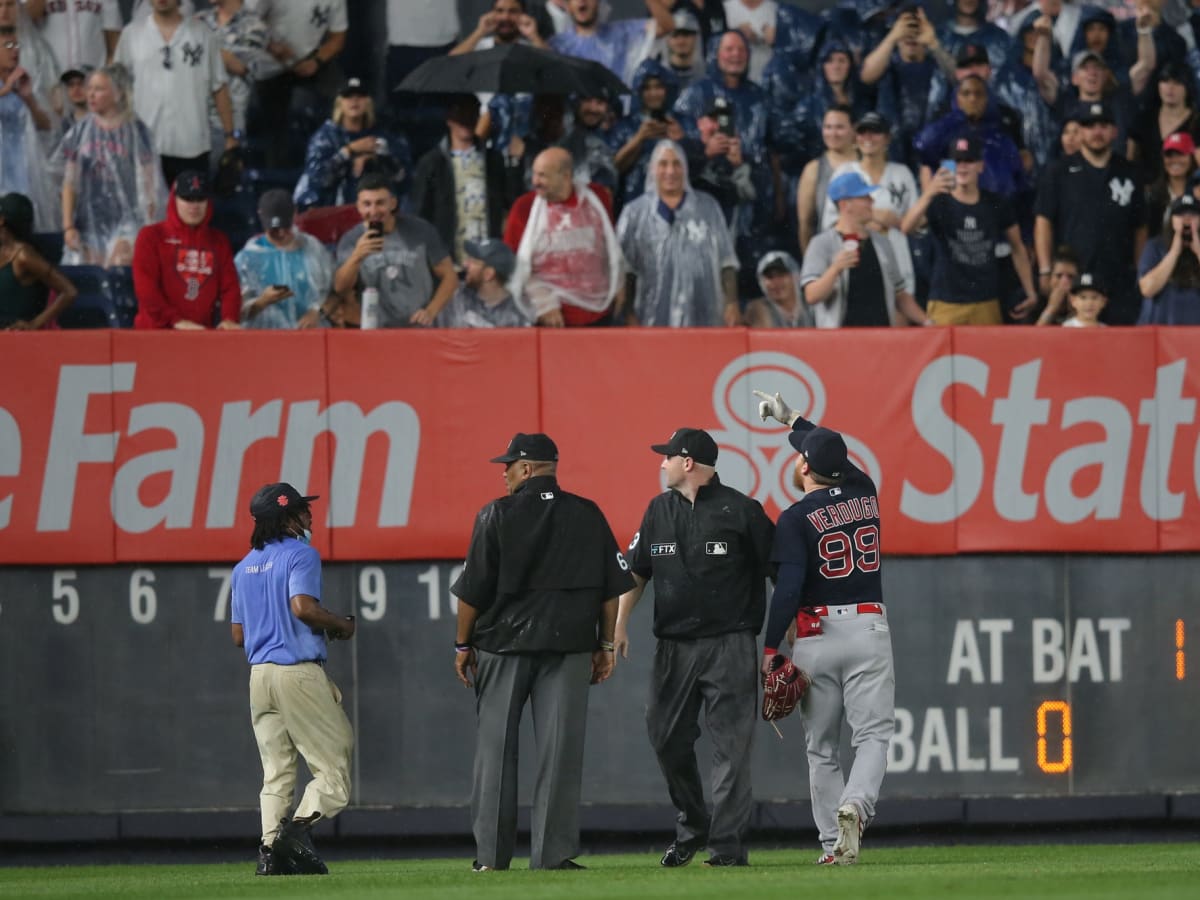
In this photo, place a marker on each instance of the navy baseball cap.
(872, 121)
(1088, 112)
(533, 447)
(192, 185)
(849, 185)
(354, 87)
(824, 449)
(684, 20)
(966, 148)
(492, 252)
(692, 442)
(276, 500)
(971, 55)
(1088, 282)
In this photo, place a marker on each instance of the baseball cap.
(275, 209)
(971, 55)
(353, 88)
(494, 253)
(849, 185)
(824, 449)
(533, 447)
(775, 261)
(966, 148)
(1179, 142)
(1185, 203)
(77, 72)
(1086, 56)
(192, 185)
(873, 121)
(1087, 281)
(276, 500)
(17, 210)
(685, 20)
(692, 442)
(1089, 112)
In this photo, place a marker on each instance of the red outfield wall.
(119, 446)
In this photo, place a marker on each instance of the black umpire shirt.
(541, 564)
(709, 561)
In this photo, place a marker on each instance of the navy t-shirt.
(964, 239)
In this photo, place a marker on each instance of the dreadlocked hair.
(267, 531)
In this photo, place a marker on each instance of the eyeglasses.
(12, 45)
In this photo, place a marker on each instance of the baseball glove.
(783, 688)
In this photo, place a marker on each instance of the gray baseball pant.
(556, 684)
(850, 664)
(719, 674)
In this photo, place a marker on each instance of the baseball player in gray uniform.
(828, 552)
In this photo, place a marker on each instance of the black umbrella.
(513, 69)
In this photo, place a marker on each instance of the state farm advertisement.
(125, 447)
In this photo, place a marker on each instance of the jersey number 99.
(841, 554)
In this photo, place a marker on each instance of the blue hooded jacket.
(1002, 169)
(633, 182)
(1015, 86)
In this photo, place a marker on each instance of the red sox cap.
(276, 500)
(824, 449)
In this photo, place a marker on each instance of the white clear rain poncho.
(677, 255)
(766, 311)
(23, 151)
(307, 269)
(568, 256)
(113, 170)
(37, 56)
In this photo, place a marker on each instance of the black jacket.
(433, 195)
(709, 561)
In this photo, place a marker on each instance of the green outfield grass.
(1158, 871)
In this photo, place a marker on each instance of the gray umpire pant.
(719, 674)
(850, 664)
(556, 684)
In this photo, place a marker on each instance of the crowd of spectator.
(879, 163)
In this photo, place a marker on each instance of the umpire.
(707, 548)
(278, 618)
(537, 604)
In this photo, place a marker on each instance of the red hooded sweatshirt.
(180, 272)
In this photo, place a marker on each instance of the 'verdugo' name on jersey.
(843, 512)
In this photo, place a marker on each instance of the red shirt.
(514, 230)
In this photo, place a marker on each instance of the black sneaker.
(725, 859)
(294, 844)
(677, 855)
(266, 861)
(477, 866)
(567, 864)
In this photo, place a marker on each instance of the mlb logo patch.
(716, 548)
(548, 495)
(662, 549)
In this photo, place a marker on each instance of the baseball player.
(294, 707)
(827, 550)
(706, 546)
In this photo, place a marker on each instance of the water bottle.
(369, 317)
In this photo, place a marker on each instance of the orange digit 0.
(1048, 765)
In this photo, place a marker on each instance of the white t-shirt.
(172, 82)
(1075, 323)
(302, 24)
(738, 14)
(76, 30)
(422, 23)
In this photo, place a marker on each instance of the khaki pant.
(986, 312)
(297, 709)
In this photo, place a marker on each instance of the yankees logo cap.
(532, 447)
(692, 442)
(192, 185)
(276, 500)
(1087, 281)
(824, 449)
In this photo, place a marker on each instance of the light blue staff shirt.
(263, 584)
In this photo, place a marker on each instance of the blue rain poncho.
(307, 269)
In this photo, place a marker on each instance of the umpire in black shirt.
(707, 548)
(537, 605)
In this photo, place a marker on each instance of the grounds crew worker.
(707, 548)
(294, 707)
(537, 604)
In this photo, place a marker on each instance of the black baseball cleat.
(266, 861)
(720, 860)
(294, 845)
(567, 865)
(677, 856)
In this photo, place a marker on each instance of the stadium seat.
(50, 245)
(237, 216)
(328, 223)
(106, 298)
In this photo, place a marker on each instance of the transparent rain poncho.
(115, 174)
(23, 151)
(307, 269)
(568, 256)
(37, 56)
(801, 315)
(676, 255)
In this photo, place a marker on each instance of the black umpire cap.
(824, 449)
(533, 447)
(692, 442)
(276, 500)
